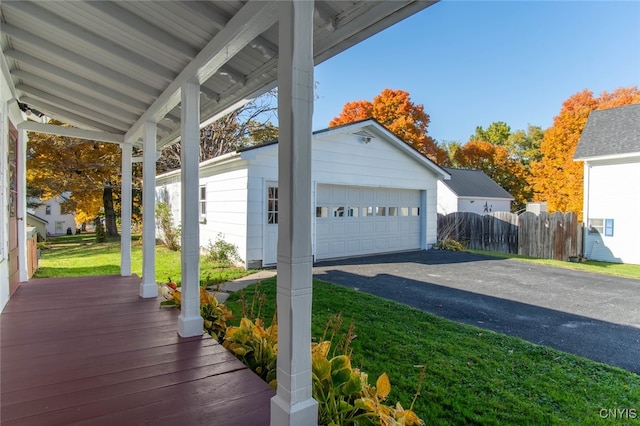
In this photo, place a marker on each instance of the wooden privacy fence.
(549, 236)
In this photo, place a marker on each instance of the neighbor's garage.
(356, 220)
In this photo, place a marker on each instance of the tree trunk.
(109, 213)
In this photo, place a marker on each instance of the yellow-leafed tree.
(556, 178)
(395, 111)
(89, 170)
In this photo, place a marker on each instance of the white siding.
(612, 192)
(447, 200)
(226, 200)
(57, 223)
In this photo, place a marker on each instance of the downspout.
(585, 209)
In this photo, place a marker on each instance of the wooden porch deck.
(90, 351)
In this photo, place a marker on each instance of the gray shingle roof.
(474, 183)
(610, 132)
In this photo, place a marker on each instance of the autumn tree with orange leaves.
(395, 111)
(556, 178)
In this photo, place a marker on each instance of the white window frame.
(202, 203)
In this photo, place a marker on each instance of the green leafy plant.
(256, 346)
(344, 394)
(169, 234)
(222, 252)
(449, 244)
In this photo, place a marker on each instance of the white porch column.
(190, 321)
(293, 403)
(21, 183)
(148, 286)
(125, 212)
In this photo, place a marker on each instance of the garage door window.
(337, 211)
(404, 211)
(353, 211)
(272, 205)
(415, 211)
(322, 211)
(381, 211)
(367, 211)
(393, 211)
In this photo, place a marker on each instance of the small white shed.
(372, 193)
(471, 191)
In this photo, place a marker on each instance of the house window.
(596, 226)
(203, 204)
(59, 226)
(47, 210)
(608, 227)
(272, 205)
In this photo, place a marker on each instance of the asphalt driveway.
(592, 315)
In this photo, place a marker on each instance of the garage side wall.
(225, 199)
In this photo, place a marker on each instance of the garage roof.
(109, 66)
(474, 183)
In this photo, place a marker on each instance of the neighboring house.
(57, 222)
(471, 191)
(371, 193)
(38, 223)
(610, 148)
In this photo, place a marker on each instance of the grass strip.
(474, 376)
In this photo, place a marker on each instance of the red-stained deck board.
(90, 351)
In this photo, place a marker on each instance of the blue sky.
(472, 63)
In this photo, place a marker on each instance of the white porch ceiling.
(109, 66)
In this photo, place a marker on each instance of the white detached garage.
(372, 193)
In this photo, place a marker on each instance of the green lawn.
(474, 376)
(80, 255)
(616, 269)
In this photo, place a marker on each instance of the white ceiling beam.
(72, 79)
(69, 117)
(93, 41)
(71, 106)
(65, 93)
(72, 132)
(253, 19)
(144, 29)
(75, 60)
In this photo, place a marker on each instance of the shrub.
(449, 244)
(169, 234)
(222, 252)
(101, 235)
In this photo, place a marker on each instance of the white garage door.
(354, 220)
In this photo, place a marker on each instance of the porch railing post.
(125, 212)
(190, 322)
(294, 403)
(148, 286)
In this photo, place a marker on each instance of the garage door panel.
(343, 227)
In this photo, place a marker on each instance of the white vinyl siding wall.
(611, 192)
(226, 201)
